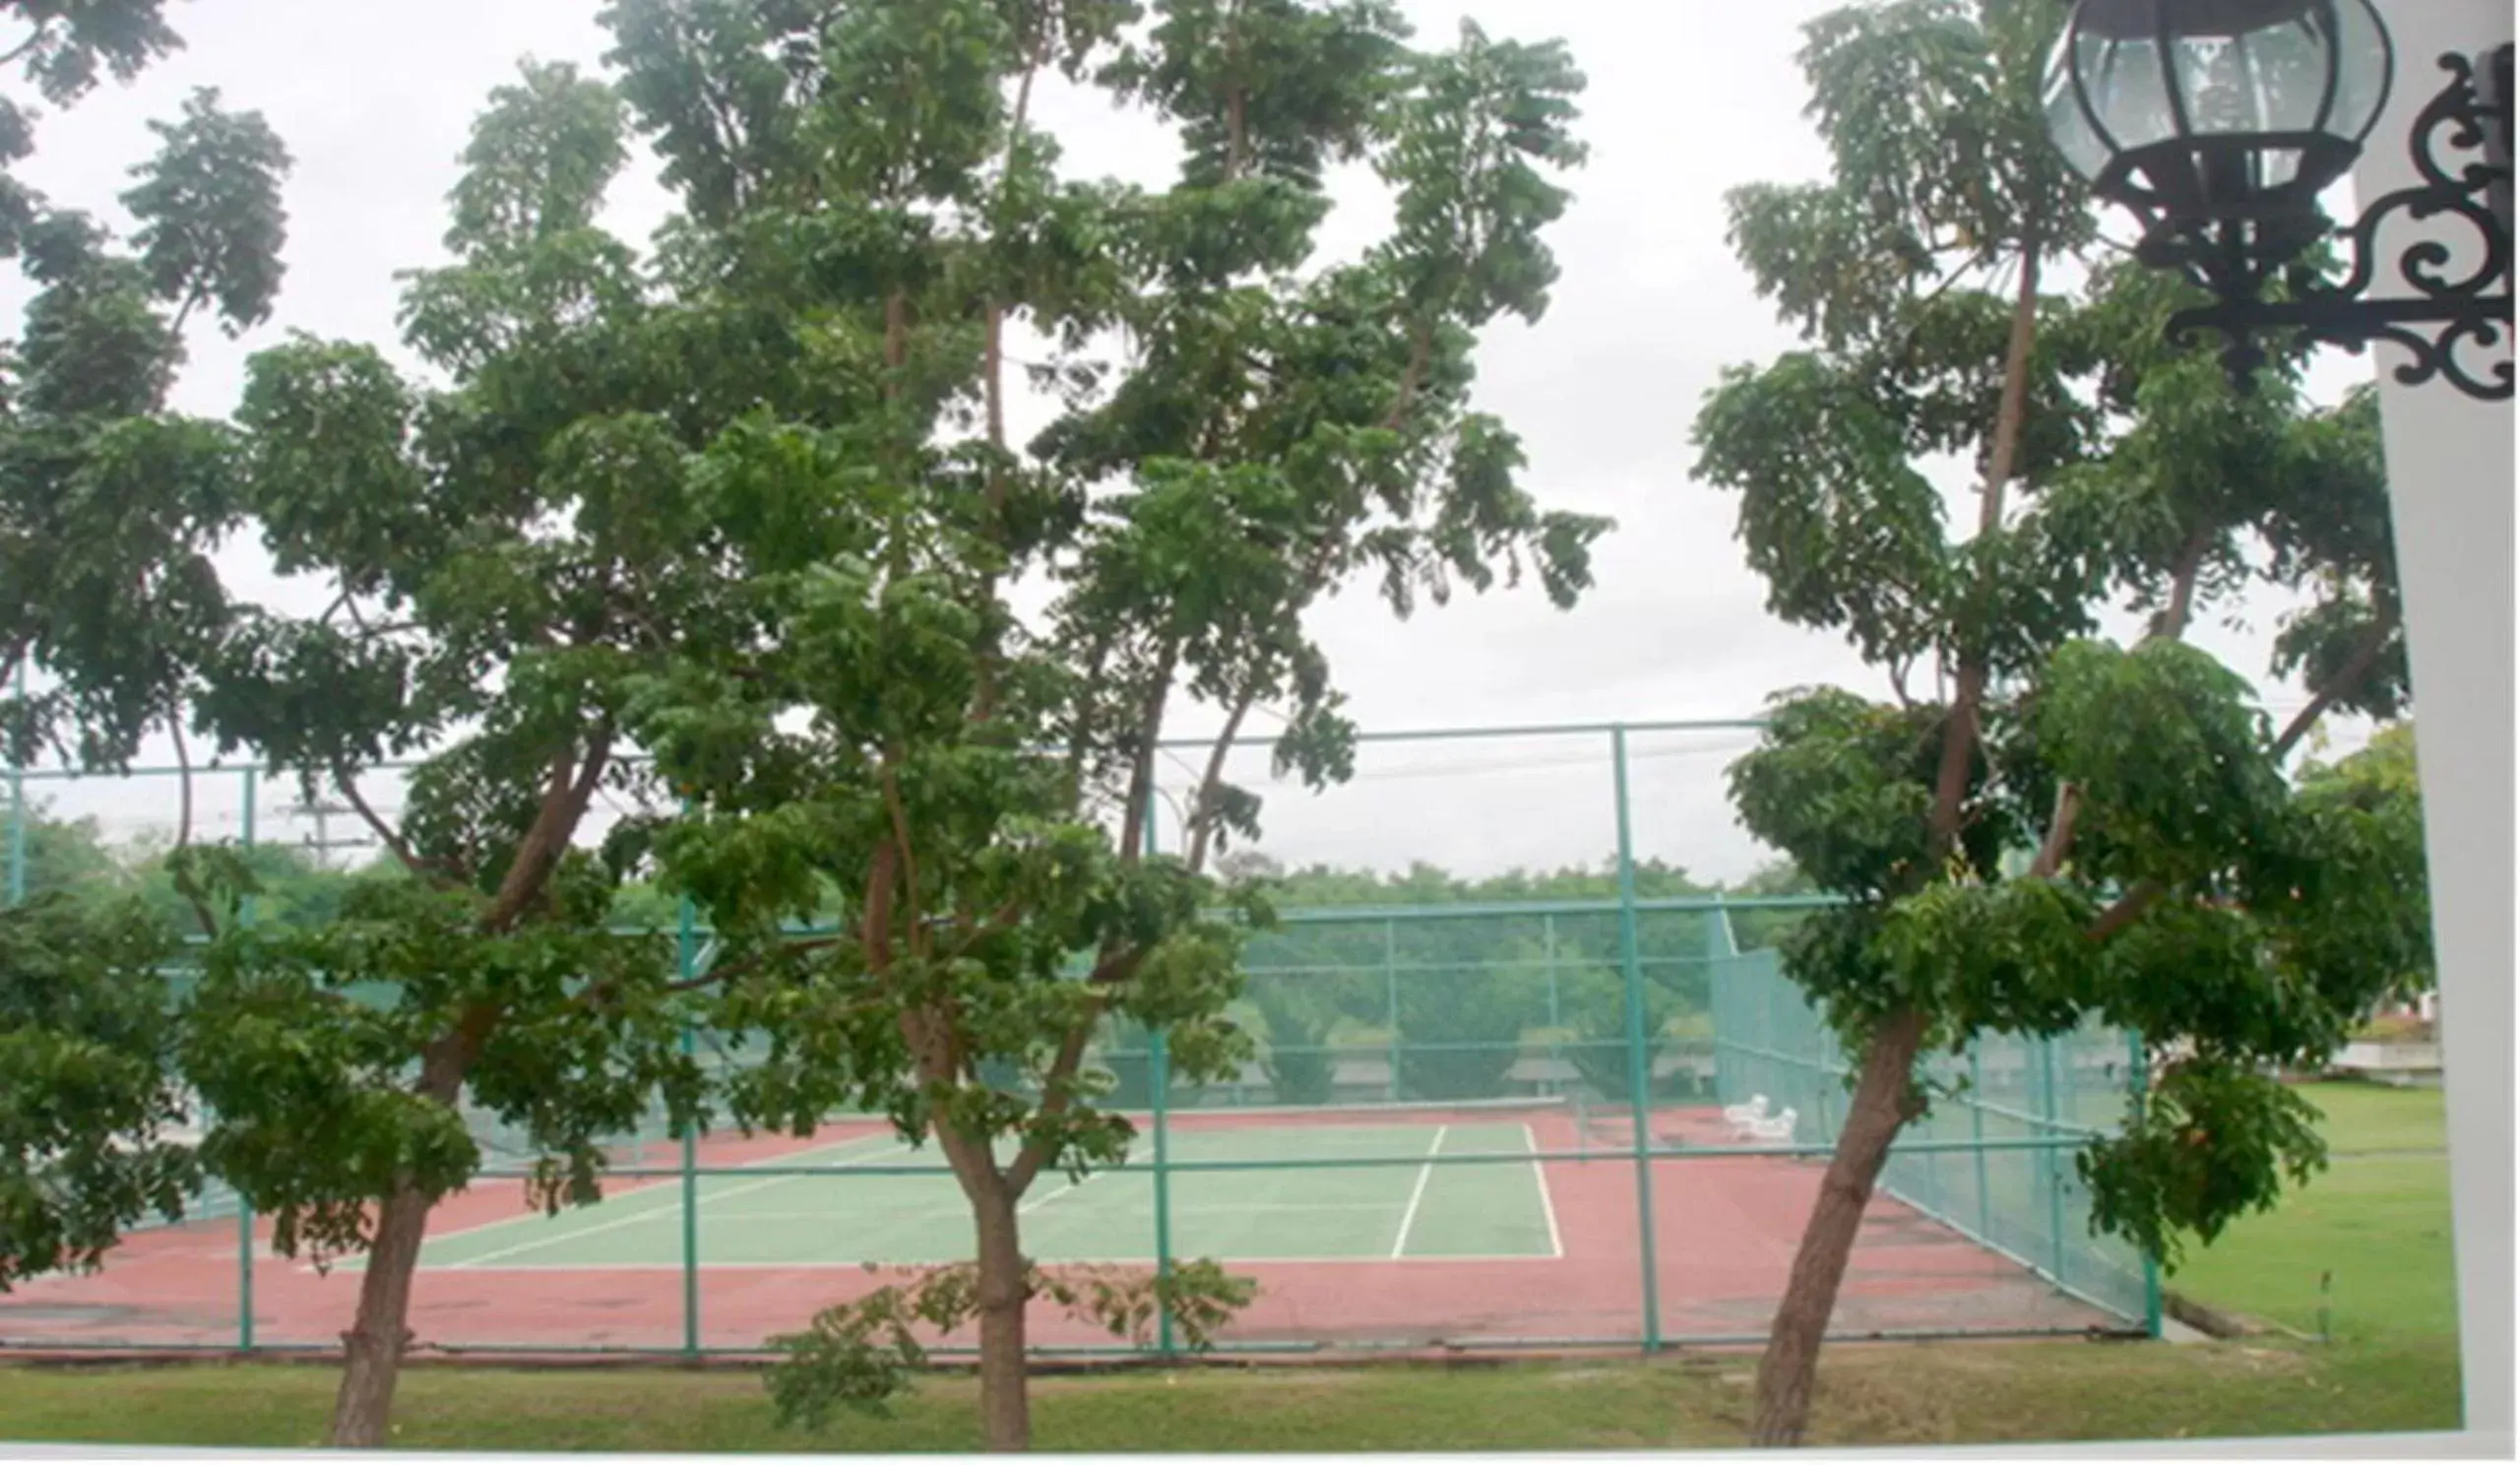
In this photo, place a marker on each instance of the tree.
(1296, 1019)
(1243, 430)
(507, 557)
(89, 1108)
(1757, 928)
(1460, 1027)
(2373, 795)
(64, 855)
(1598, 999)
(67, 49)
(108, 501)
(2066, 827)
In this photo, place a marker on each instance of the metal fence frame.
(2056, 1135)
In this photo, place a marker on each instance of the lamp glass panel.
(2125, 82)
(2362, 70)
(2085, 149)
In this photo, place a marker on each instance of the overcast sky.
(1687, 98)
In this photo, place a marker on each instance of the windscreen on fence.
(1485, 1108)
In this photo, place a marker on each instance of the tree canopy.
(2061, 826)
(1243, 428)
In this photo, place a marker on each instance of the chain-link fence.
(1506, 1092)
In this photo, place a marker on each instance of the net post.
(2138, 1082)
(1638, 1071)
(1391, 1000)
(1160, 1069)
(245, 1207)
(16, 888)
(685, 957)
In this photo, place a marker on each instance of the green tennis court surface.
(836, 1218)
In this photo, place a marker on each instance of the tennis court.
(1473, 1225)
(832, 1206)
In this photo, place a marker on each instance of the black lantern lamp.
(2217, 124)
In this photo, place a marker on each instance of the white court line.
(1547, 1207)
(665, 1186)
(1417, 1194)
(653, 1212)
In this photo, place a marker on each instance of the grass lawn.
(2377, 1222)
(2364, 1117)
(1881, 1395)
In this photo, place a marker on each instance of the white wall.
(2450, 482)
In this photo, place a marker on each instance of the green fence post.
(1548, 968)
(1160, 1066)
(245, 1207)
(1638, 1074)
(1391, 1000)
(1160, 1073)
(2138, 1083)
(18, 814)
(2056, 1169)
(686, 938)
(1720, 952)
(1978, 1134)
(1549, 957)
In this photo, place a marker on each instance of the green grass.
(1910, 1394)
(2360, 1117)
(2377, 1222)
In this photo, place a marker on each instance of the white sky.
(1687, 98)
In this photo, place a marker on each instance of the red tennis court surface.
(1725, 1231)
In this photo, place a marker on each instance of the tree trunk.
(373, 1347)
(1875, 1116)
(1006, 1408)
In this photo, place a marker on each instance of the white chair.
(1744, 1113)
(1778, 1130)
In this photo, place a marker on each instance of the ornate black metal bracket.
(2445, 313)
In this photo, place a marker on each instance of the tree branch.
(1976, 259)
(2125, 910)
(1960, 729)
(1005, 919)
(2172, 622)
(2366, 654)
(875, 924)
(1056, 1100)
(728, 970)
(909, 856)
(26, 47)
(1422, 350)
(564, 805)
(1204, 815)
(2061, 833)
(1035, 1151)
(2139, 896)
(1135, 807)
(184, 820)
(183, 313)
(385, 834)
